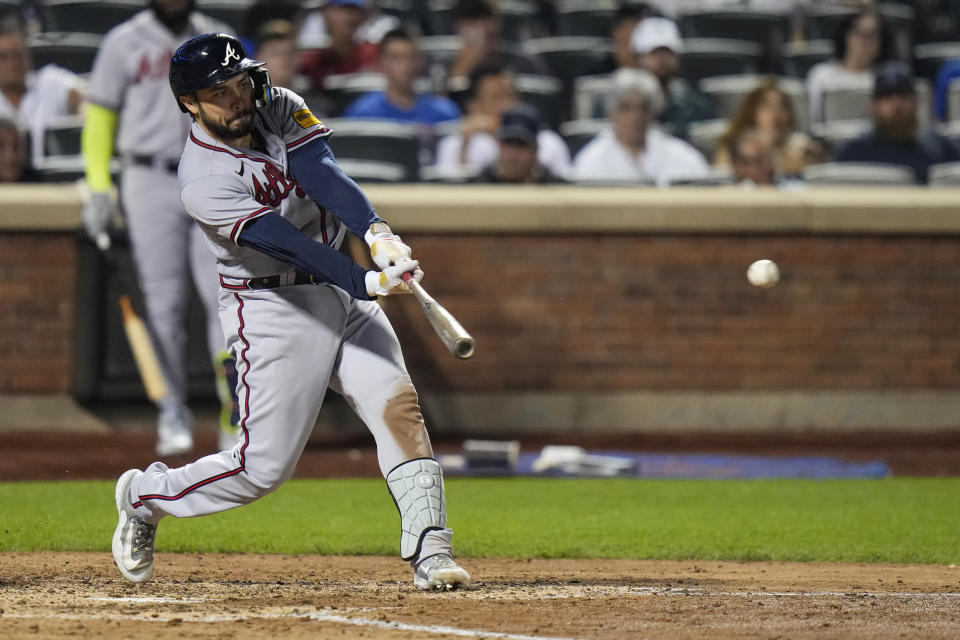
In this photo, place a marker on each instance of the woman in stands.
(769, 111)
(861, 42)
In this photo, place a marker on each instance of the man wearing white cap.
(657, 44)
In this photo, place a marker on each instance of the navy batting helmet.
(210, 59)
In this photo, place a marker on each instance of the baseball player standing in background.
(129, 84)
(299, 316)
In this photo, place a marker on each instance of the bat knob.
(103, 241)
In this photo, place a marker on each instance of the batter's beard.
(175, 21)
(225, 132)
(899, 129)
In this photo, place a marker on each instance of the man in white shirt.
(34, 98)
(630, 150)
(475, 146)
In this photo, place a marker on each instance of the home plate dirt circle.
(81, 595)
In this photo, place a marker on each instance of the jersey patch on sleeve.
(305, 119)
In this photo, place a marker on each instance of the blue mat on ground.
(679, 465)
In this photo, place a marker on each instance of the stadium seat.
(837, 132)
(769, 31)
(950, 130)
(585, 17)
(705, 135)
(373, 170)
(546, 94)
(518, 20)
(799, 57)
(577, 133)
(927, 58)
(381, 141)
(707, 57)
(88, 16)
(438, 53)
(589, 95)
(62, 137)
(727, 92)
(72, 51)
(852, 102)
(568, 56)
(946, 174)
(858, 174)
(438, 17)
(231, 12)
(715, 177)
(449, 175)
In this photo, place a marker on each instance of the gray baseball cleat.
(133, 539)
(440, 573)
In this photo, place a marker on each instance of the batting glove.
(390, 280)
(98, 214)
(386, 248)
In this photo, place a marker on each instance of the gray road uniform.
(130, 77)
(293, 337)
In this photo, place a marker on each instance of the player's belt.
(155, 162)
(270, 282)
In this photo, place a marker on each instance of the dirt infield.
(55, 595)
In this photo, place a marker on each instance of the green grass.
(888, 520)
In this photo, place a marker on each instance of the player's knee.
(264, 480)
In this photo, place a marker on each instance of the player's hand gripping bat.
(454, 336)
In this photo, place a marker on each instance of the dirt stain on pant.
(402, 416)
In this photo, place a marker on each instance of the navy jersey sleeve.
(315, 168)
(278, 238)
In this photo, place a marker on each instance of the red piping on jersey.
(239, 223)
(307, 137)
(243, 425)
(222, 150)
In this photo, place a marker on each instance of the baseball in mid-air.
(763, 273)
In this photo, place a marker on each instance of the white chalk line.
(695, 591)
(319, 616)
(157, 600)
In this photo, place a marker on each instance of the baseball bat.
(137, 337)
(452, 334)
(143, 353)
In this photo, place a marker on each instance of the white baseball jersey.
(223, 187)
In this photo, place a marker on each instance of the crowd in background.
(550, 91)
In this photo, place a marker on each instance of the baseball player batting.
(299, 316)
(129, 102)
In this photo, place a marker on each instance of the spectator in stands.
(517, 161)
(478, 25)
(657, 43)
(13, 156)
(630, 150)
(400, 63)
(895, 138)
(769, 110)
(752, 158)
(490, 93)
(621, 52)
(861, 42)
(276, 45)
(343, 53)
(34, 98)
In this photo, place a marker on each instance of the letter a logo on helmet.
(230, 55)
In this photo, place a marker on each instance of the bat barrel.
(463, 348)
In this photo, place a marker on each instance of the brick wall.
(37, 282)
(641, 312)
(608, 312)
